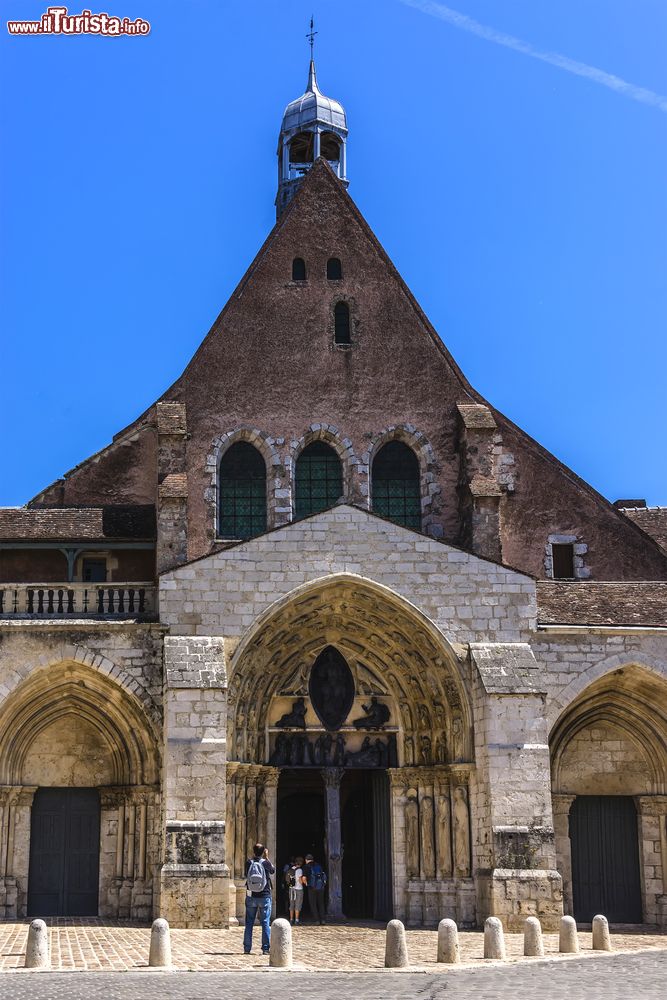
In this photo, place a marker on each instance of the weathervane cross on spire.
(311, 36)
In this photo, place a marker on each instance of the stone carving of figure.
(412, 834)
(428, 850)
(377, 715)
(281, 751)
(461, 832)
(339, 751)
(426, 749)
(392, 751)
(239, 829)
(457, 738)
(296, 719)
(367, 756)
(262, 814)
(444, 837)
(408, 751)
(441, 750)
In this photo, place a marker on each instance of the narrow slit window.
(334, 269)
(298, 269)
(342, 323)
(319, 479)
(563, 561)
(242, 492)
(396, 485)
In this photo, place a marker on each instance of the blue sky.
(525, 206)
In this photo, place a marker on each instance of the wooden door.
(605, 859)
(64, 853)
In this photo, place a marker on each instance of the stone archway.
(611, 744)
(70, 726)
(396, 656)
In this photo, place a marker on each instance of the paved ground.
(606, 977)
(95, 944)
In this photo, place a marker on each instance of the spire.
(312, 79)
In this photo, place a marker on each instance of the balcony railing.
(78, 600)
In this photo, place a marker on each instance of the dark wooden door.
(64, 853)
(605, 859)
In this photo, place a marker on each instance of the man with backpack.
(316, 881)
(258, 870)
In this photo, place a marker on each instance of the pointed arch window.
(298, 269)
(334, 269)
(396, 485)
(242, 490)
(318, 479)
(342, 323)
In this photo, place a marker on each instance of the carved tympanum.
(331, 688)
(296, 719)
(376, 717)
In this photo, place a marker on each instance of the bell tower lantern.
(313, 125)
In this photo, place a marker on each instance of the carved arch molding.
(393, 653)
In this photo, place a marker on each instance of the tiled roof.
(77, 523)
(652, 520)
(591, 603)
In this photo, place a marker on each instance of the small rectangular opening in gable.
(563, 561)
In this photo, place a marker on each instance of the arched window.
(342, 323)
(242, 492)
(395, 485)
(334, 269)
(319, 479)
(329, 146)
(298, 269)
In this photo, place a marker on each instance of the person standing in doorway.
(316, 880)
(295, 885)
(258, 872)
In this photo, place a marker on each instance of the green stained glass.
(396, 485)
(242, 492)
(319, 479)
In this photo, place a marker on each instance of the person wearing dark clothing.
(258, 871)
(316, 881)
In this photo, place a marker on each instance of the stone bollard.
(494, 939)
(159, 955)
(601, 936)
(396, 948)
(448, 942)
(280, 951)
(37, 952)
(533, 944)
(568, 942)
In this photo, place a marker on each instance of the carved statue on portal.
(281, 751)
(377, 715)
(296, 719)
(457, 738)
(461, 831)
(444, 836)
(426, 749)
(441, 750)
(423, 716)
(428, 850)
(408, 751)
(412, 834)
(339, 751)
(325, 751)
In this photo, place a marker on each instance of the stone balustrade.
(78, 600)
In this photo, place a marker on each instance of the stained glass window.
(242, 492)
(319, 479)
(396, 488)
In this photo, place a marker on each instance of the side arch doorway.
(64, 853)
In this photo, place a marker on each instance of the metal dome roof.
(313, 107)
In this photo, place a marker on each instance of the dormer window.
(298, 269)
(342, 324)
(334, 269)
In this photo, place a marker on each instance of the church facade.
(322, 594)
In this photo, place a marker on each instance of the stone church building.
(324, 595)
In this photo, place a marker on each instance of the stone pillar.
(332, 777)
(561, 805)
(515, 841)
(194, 879)
(172, 492)
(652, 824)
(316, 144)
(479, 487)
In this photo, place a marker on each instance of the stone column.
(194, 879)
(561, 811)
(513, 833)
(172, 491)
(332, 778)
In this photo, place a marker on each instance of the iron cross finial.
(311, 36)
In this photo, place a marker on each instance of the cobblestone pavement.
(96, 944)
(638, 976)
